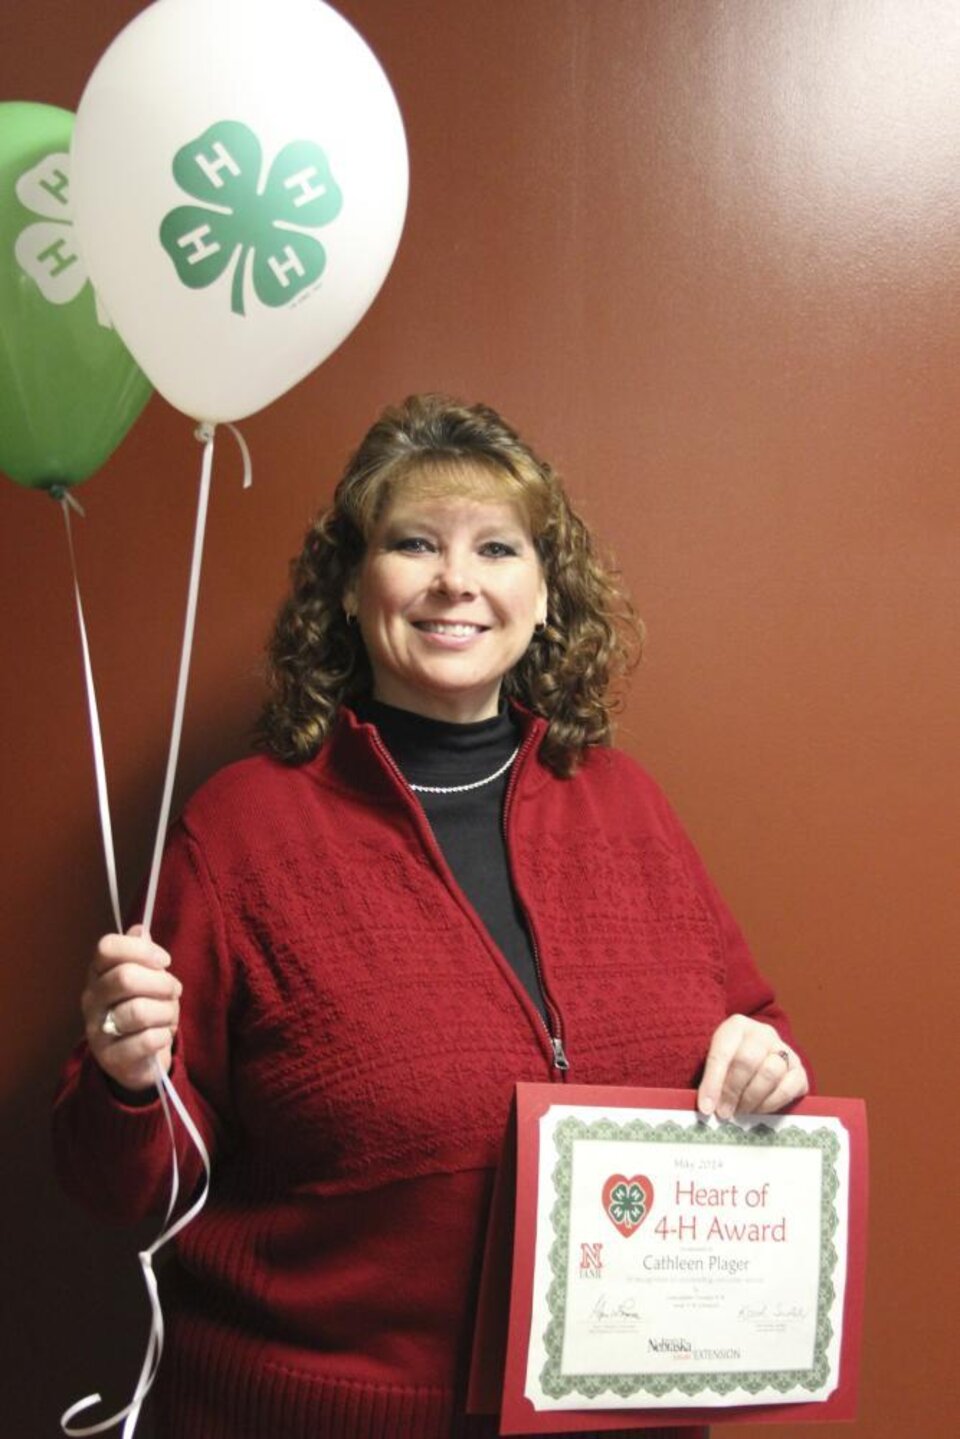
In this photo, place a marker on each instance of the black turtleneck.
(468, 826)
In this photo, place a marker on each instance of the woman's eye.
(413, 545)
(497, 549)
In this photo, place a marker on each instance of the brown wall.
(704, 252)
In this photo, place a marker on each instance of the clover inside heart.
(627, 1202)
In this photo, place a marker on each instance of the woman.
(438, 880)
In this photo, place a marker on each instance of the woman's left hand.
(749, 1070)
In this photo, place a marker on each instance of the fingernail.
(706, 1105)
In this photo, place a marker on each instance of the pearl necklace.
(462, 788)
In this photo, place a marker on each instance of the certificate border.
(558, 1383)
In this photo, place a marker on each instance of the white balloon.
(239, 186)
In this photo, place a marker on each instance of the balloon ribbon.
(165, 1089)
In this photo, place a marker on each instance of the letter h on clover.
(235, 219)
(45, 249)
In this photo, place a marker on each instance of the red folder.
(505, 1304)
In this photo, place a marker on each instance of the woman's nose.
(454, 576)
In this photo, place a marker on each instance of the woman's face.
(447, 597)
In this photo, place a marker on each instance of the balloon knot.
(204, 432)
(62, 495)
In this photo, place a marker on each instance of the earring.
(350, 617)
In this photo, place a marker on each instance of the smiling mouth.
(456, 631)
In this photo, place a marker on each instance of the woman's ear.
(543, 600)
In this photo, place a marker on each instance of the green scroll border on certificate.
(571, 1130)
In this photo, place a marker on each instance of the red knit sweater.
(349, 1044)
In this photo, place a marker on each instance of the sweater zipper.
(555, 1035)
(560, 1060)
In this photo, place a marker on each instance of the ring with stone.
(109, 1025)
(785, 1056)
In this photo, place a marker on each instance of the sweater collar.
(431, 751)
(356, 756)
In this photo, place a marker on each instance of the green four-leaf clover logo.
(237, 220)
(627, 1204)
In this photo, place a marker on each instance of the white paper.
(684, 1263)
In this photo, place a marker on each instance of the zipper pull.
(560, 1060)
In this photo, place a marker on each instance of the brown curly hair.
(317, 659)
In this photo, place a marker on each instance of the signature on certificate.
(616, 1313)
(773, 1313)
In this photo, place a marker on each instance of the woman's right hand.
(131, 991)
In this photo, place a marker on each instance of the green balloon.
(69, 390)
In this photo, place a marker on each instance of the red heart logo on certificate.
(627, 1202)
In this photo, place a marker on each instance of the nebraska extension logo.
(591, 1261)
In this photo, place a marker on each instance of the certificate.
(664, 1264)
